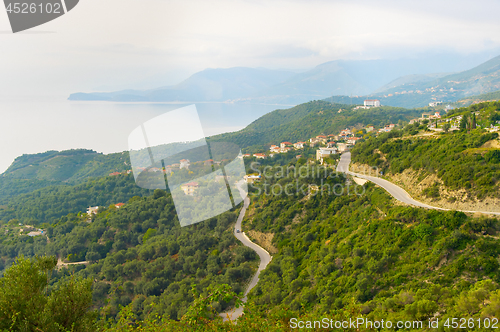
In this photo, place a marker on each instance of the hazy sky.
(114, 44)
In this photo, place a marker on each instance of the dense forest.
(140, 253)
(50, 203)
(339, 256)
(35, 171)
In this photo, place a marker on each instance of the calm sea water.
(36, 125)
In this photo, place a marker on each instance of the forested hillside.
(50, 203)
(35, 171)
(461, 158)
(140, 253)
(309, 120)
(342, 250)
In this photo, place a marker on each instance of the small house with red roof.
(285, 144)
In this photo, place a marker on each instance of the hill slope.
(34, 171)
(478, 80)
(309, 120)
(458, 166)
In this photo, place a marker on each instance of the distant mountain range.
(337, 78)
(419, 90)
(207, 85)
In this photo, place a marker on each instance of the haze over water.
(34, 125)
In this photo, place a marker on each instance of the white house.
(324, 152)
(184, 164)
(92, 210)
(285, 144)
(274, 148)
(251, 178)
(372, 102)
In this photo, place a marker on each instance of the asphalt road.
(265, 259)
(395, 191)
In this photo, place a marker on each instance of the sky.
(104, 45)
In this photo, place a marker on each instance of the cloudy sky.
(115, 44)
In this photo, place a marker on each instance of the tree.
(26, 304)
(494, 118)
(464, 122)
(472, 122)
(446, 127)
(202, 310)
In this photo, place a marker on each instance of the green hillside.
(459, 158)
(140, 254)
(66, 166)
(341, 250)
(309, 120)
(396, 263)
(35, 171)
(490, 96)
(339, 256)
(48, 204)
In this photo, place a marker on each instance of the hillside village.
(330, 144)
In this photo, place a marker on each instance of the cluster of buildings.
(427, 116)
(183, 164)
(93, 209)
(387, 128)
(118, 173)
(329, 144)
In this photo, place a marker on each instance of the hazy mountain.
(410, 79)
(353, 77)
(450, 88)
(207, 85)
(403, 82)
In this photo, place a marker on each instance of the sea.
(37, 124)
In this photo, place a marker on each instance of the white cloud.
(114, 43)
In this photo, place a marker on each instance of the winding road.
(265, 259)
(395, 191)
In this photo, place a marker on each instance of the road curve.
(265, 259)
(395, 191)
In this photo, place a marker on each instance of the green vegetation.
(343, 250)
(30, 172)
(29, 303)
(50, 203)
(309, 120)
(139, 254)
(397, 263)
(457, 158)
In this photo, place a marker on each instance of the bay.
(38, 124)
